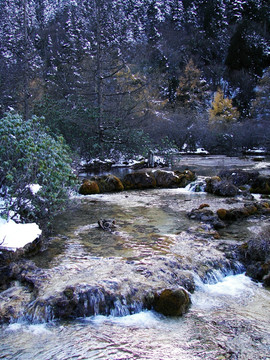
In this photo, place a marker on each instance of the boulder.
(109, 183)
(166, 178)
(261, 185)
(237, 213)
(239, 177)
(185, 177)
(205, 215)
(139, 180)
(255, 254)
(89, 187)
(172, 302)
(217, 186)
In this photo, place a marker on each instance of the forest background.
(120, 77)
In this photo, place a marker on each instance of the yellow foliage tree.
(193, 89)
(222, 111)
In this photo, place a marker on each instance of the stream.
(154, 246)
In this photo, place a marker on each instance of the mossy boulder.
(185, 177)
(139, 180)
(222, 214)
(172, 302)
(89, 187)
(237, 213)
(261, 185)
(166, 178)
(109, 183)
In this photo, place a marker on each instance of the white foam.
(143, 319)
(233, 285)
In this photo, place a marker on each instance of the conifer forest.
(123, 76)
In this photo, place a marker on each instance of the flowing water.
(229, 317)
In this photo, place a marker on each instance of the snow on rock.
(14, 236)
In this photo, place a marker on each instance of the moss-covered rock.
(139, 180)
(89, 187)
(261, 185)
(172, 302)
(166, 178)
(185, 177)
(109, 183)
(237, 213)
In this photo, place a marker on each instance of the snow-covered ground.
(14, 236)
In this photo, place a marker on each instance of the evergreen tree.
(19, 58)
(261, 105)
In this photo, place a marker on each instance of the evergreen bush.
(30, 155)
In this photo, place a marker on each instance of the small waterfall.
(79, 302)
(196, 186)
(216, 275)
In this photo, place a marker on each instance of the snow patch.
(14, 236)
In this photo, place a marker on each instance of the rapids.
(154, 246)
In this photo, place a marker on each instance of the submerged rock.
(172, 302)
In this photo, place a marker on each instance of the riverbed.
(230, 314)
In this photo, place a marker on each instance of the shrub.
(30, 155)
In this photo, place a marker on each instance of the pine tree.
(18, 54)
(222, 112)
(261, 105)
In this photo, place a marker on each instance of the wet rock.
(139, 180)
(89, 187)
(108, 183)
(166, 178)
(185, 177)
(261, 185)
(237, 213)
(255, 254)
(13, 302)
(172, 302)
(140, 165)
(217, 186)
(107, 225)
(205, 215)
(239, 177)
